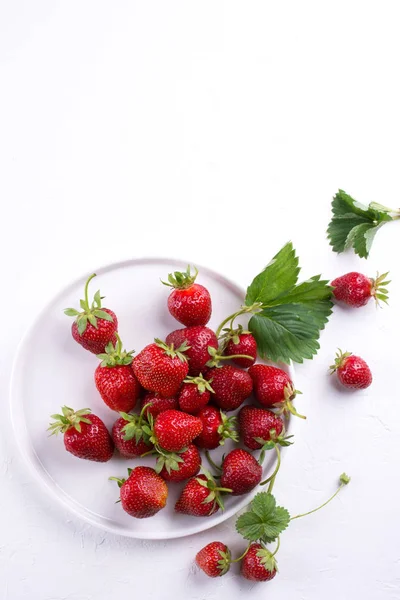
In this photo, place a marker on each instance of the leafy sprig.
(264, 521)
(355, 225)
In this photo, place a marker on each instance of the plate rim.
(43, 477)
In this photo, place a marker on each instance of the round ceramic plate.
(52, 370)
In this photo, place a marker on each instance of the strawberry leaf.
(264, 521)
(355, 225)
(292, 316)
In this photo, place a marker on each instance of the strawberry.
(200, 497)
(174, 430)
(352, 371)
(194, 395)
(214, 559)
(240, 472)
(144, 493)
(258, 564)
(189, 303)
(129, 438)
(241, 342)
(157, 404)
(160, 368)
(356, 289)
(115, 379)
(178, 467)
(85, 434)
(95, 326)
(258, 423)
(273, 387)
(231, 386)
(199, 339)
(216, 428)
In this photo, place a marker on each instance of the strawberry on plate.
(273, 387)
(194, 395)
(129, 437)
(258, 423)
(161, 368)
(173, 430)
(217, 428)
(155, 404)
(239, 341)
(94, 327)
(241, 472)
(178, 467)
(189, 303)
(201, 497)
(115, 379)
(231, 386)
(85, 434)
(143, 494)
(198, 340)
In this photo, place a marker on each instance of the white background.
(213, 131)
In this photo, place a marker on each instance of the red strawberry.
(95, 326)
(241, 342)
(194, 395)
(273, 387)
(174, 430)
(240, 472)
(214, 559)
(144, 493)
(157, 404)
(216, 428)
(159, 368)
(115, 379)
(178, 467)
(231, 386)
(85, 434)
(200, 497)
(258, 564)
(258, 423)
(352, 371)
(198, 339)
(189, 303)
(129, 438)
(356, 289)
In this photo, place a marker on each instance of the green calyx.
(171, 351)
(228, 334)
(170, 460)
(215, 492)
(224, 562)
(340, 360)
(217, 356)
(69, 418)
(137, 427)
(268, 559)
(89, 313)
(378, 288)
(228, 429)
(181, 280)
(121, 480)
(286, 407)
(201, 383)
(114, 355)
(274, 441)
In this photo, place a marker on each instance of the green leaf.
(289, 327)
(264, 521)
(279, 275)
(355, 225)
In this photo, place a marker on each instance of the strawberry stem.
(256, 307)
(87, 290)
(242, 555)
(211, 462)
(271, 478)
(344, 480)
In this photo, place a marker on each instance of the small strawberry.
(85, 434)
(217, 427)
(356, 289)
(115, 380)
(178, 467)
(214, 559)
(201, 497)
(231, 386)
(199, 339)
(273, 387)
(129, 438)
(238, 341)
(95, 326)
(189, 303)
(352, 371)
(144, 493)
(240, 472)
(258, 564)
(156, 404)
(258, 423)
(194, 395)
(173, 430)
(160, 368)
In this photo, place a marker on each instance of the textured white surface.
(214, 130)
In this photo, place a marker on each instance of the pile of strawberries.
(182, 389)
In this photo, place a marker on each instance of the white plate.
(51, 370)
